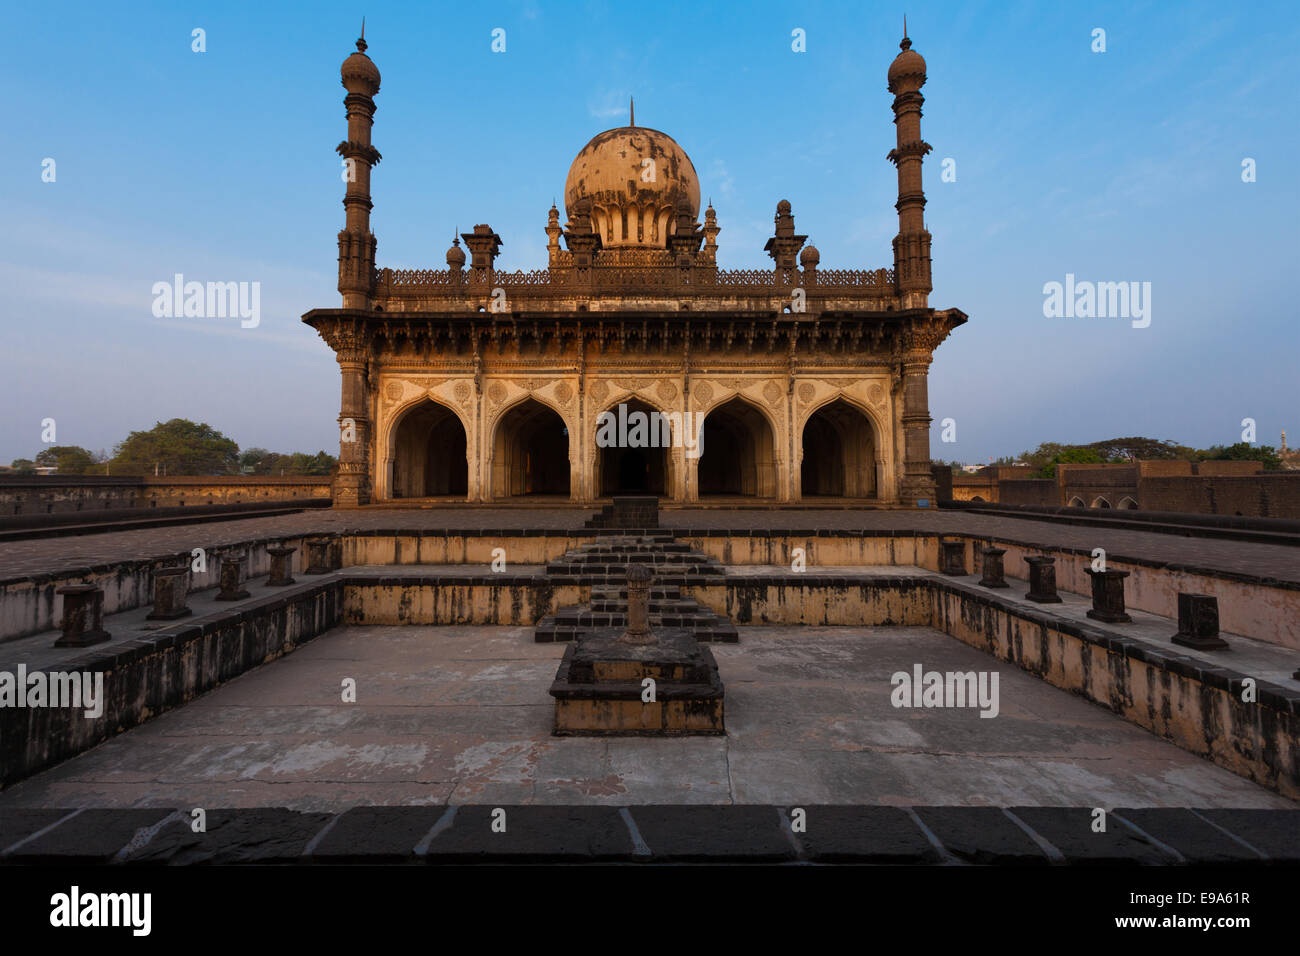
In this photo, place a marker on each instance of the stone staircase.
(603, 565)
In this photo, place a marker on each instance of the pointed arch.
(428, 447)
(738, 456)
(531, 451)
(839, 443)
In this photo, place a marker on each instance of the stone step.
(675, 574)
(717, 631)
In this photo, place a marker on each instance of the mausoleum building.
(787, 384)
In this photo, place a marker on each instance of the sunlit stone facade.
(469, 383)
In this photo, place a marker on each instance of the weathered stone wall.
(1270, 495)
(1043, 492)
(58, 494)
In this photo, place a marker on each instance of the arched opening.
(1128, 504)
(632, 450)
(838, 453)
(429, 454)
(977, 498)
(1100, 503)
(737, 457)
(530, 453)
(1077, 502)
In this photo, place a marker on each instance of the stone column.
(638, 606)
(352, 486)
(918, 483)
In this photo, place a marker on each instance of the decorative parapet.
(630, 276)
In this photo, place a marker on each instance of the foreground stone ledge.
(648, 834)
(155, 671)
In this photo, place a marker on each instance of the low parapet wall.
(58, 494)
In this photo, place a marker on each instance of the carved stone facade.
(475, 384)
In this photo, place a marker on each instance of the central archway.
(429, 454)
(839, 457)
(530, 452)
(638, 462)
(738, 455)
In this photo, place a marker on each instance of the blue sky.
(1115, 166)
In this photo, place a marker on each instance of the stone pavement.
(460, 715)
(1268, 561)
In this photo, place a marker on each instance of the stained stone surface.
(461, 715)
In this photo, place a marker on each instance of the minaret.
(912, 244)
(356, 242)
(352, 486)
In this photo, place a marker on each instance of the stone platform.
(599, 689)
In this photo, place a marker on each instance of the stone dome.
(456, 255)
(359, 73)
(632, 202)
(907, 72)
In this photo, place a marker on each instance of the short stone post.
(230, 589)
(952, 557)
(1108, 596)
(281, 566)
(638, 606)
(320, 556)
(1198, 622)
(170, 587)
(83, 616)
(991, 566)
(1042, 579)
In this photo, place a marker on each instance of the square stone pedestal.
(598, 688)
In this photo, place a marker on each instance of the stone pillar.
(992, 569)
(170, 587)
(918, 480)
(638, 630)
(281, 566)
(1108, 596)
(352, 486)
(1198, 622)
(1042, 579)
(952, 558)
(83, 616)
(231, 569)
(323, 555)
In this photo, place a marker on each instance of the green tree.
(1070, 456)
(66, 459)
(1242, 451)
(24, 466)
(177, 447)
(1141, 449)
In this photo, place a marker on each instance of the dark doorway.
(531, 452)
(641, 469)
(429, 454)
(737, 455)
(838, 453)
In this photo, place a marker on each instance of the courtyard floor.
(461, 715)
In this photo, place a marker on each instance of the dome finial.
(361, 43)
(907, 43)
(631, 107)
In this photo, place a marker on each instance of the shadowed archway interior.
(738, 455)
(530, 453)
(642, 463)
(429, 458)
(839, 453)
